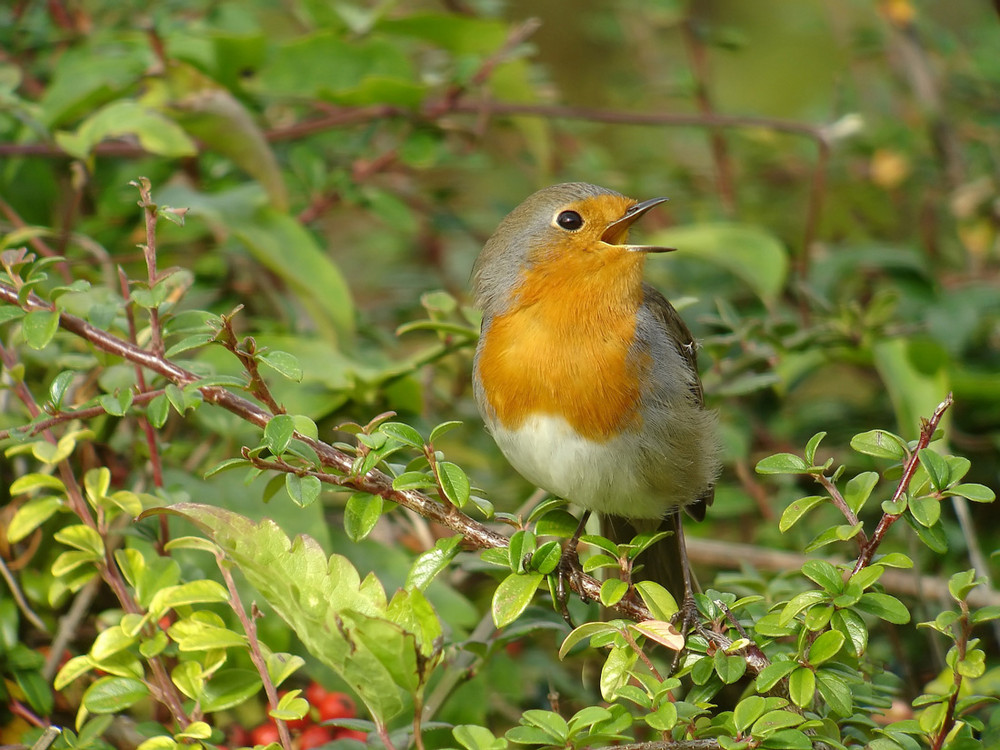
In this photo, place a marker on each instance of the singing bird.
(587, 377)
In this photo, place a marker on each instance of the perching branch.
(375, 482)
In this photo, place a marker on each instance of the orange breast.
(562, 348)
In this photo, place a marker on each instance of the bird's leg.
(686, 618)
(569, 567)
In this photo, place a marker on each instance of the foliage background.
(342, 161)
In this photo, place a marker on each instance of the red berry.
(336, 706)
(264, 734)
(237, 736)
(314, 736)
(315, 693)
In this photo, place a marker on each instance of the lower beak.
(618, 230)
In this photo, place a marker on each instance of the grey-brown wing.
(678, 332)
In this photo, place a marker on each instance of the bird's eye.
(569, 220)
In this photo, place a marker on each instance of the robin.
(587, 377)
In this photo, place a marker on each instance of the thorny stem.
(256, 656)
(927, 430)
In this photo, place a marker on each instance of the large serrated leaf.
(342, 620)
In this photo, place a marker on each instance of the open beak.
(618, 230)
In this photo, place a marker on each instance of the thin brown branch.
(841, 504)
(256, 656)
(22, 603)
(888, 519)
(34, 428)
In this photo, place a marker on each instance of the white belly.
(605, 477)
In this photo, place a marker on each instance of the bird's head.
(565, 233)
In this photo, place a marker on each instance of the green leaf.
(110, 695)
(31, 515)
(880, 444)
(583, 632)
(127, 117)
(413, 480)
(729, 668)
(802, 686)
(158, 410)
(283, 363)
(835, 692)
(755, 256)
(513, 596)
(31, 482)
(840, 533)
(361, 514)
(926, 510)
(612, 591)
(748, 710)
(443, 428)
(75, 667)
(658, 600)
(961, 584)
(281, 666)
(118, 403)
(455, 483)
(936, 467)
(796, 510)
(773, 673)
(859, 488)
(427, 565)
(825, 574)
(977, 493)
(800, 602)
(546, 558)
(664, 718)
(81, 537)
(60, 387)
(404, 433)
(341, 620)
(774, 720)
(616, 671)
(278, 433)
(305, 490)
(196, 634)
(109, 642)
(884, 606)
(826, 646)
(783, 463)
(811, 446)
(188, 343)
(192, 592)
(39, 327)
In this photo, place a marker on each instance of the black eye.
(569, 220)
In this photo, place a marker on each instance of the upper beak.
(616, 230)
